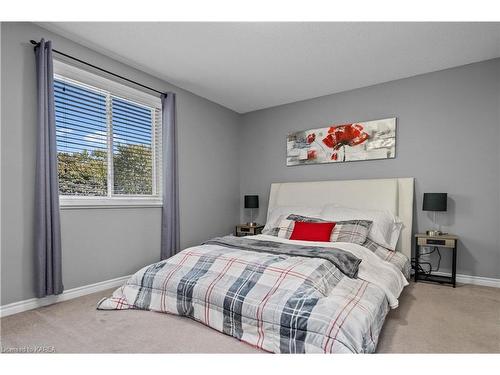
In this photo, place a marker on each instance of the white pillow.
(385, 229)
(280, 212)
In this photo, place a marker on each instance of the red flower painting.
(341, 142)
(312, 154)
(310, 138)
(344, 135)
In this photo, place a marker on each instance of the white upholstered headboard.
(393, 194)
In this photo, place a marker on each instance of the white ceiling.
(250, 66)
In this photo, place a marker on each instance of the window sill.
(68, 203)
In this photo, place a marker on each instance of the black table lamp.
(436, 202)
(251, 202)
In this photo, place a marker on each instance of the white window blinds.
(81, 128)
(109, 146)
(133, 140)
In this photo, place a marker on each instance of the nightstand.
(446, 241)
(247, 230)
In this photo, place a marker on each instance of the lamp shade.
(435, 202)
(251, 201)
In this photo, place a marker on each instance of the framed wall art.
(367, 140)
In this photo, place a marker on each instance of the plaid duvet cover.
(399, 260)
(279, 303)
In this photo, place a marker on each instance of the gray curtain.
(48, 269)
(170, 232)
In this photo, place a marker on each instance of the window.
(108, 141)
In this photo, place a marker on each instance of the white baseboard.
(33, 303)
(474, 280)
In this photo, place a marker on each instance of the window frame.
(113, 89)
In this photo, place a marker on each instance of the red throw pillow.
(304, 231)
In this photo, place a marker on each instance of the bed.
(283, 295)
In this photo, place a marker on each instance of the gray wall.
(447, 138)
(101, 244)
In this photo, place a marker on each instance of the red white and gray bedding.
(278, 301)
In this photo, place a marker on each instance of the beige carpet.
(431, 319)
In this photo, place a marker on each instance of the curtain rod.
(98, 68)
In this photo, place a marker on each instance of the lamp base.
(434, 233)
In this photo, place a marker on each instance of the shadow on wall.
(414, 219)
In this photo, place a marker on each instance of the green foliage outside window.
(85, 173)
(133, 170)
